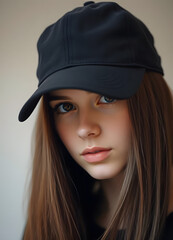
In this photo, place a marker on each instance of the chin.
(103, 173)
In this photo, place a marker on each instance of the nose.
(88, 125)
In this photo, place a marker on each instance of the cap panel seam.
(66, 40)
(64, 35)
(70, 54)
(128, 22)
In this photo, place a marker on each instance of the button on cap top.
(88, 3)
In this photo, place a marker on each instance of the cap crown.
(98, 33)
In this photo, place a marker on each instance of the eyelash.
(57, 107)
(58, 111)
(112, 99)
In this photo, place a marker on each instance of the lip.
(96, 154)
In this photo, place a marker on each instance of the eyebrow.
(53, 98)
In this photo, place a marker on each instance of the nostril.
(90, 134)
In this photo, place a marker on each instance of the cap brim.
(112, 81)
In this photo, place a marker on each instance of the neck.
(107, 205)
(111, 189)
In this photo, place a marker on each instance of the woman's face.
(95, 129)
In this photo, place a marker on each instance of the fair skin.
(93, 122)
(86, 120)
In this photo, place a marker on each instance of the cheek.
(119, 131)
(65, 132)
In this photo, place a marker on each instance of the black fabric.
(168, 232)
(96, 231)
(98, 47)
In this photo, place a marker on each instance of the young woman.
(103, 162)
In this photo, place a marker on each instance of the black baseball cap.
(99, 47)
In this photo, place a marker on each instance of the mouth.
(95, 154)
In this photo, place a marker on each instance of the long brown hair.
(59, 187)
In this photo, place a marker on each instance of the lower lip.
(96, 157)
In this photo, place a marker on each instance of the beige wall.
(21, 22)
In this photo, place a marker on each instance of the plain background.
(21, 23)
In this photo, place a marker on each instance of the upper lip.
(94, 150)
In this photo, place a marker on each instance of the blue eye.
(64, 107)
(105, 99)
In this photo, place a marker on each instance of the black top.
(97, 231)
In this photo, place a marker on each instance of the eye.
(64, 107)
(105, 99)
